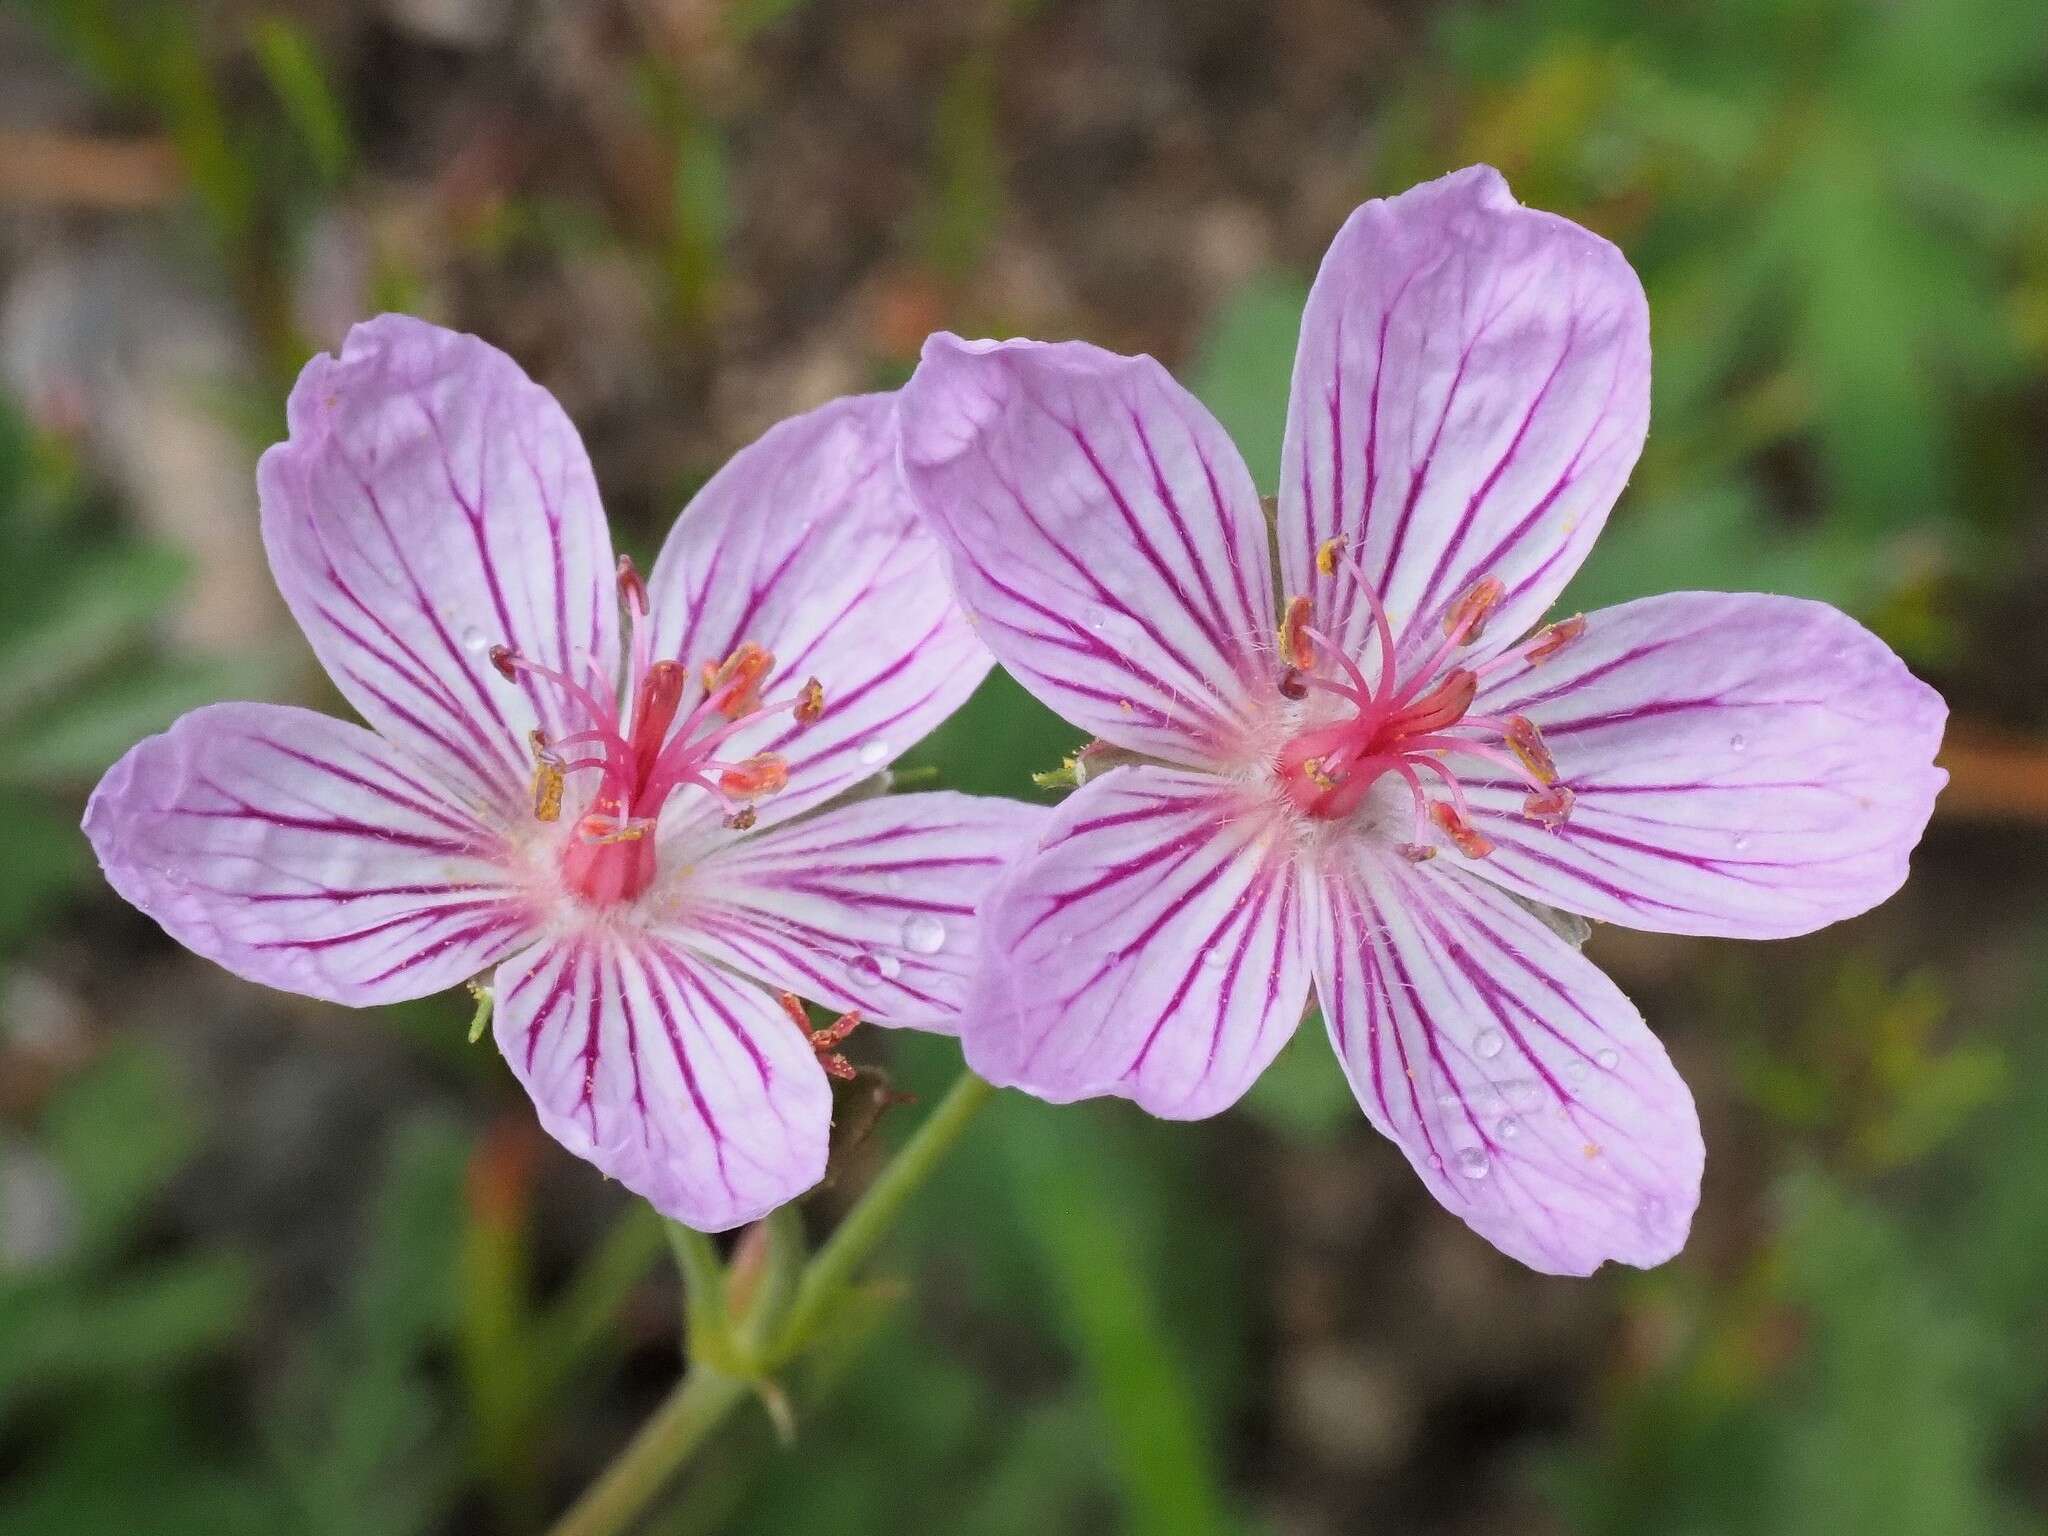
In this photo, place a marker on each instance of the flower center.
(642, 755)
(1408, 726)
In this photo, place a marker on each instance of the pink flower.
(1376, 785)
(433, 524)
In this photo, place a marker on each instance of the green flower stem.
(827, 1277)
(710, 1390)
(667, 1440)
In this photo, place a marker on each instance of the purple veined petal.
(1743, 765)
(1105, 535)
(1152, 946)
(867, 906)
(305, 853)
(430, 503)
(1520, 1083)
(688, 1085)
(807, 545)
(1470, 394)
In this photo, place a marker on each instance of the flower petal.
(1152, 947)
(688, 1085)
(305, 853)
(807, 545)
(1470, 394)
(432, 502)
(1521, 1084)
(1743, 765)
(868, 906)
(1106, 536)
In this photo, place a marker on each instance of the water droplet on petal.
(1524, 1093)
(1508, 1129)
(1472, 1163)
(475, 641)
(1741, 841)
(1609, 1058)
(873, 752)
(924, 935)
(889, 966)
(867, 967)
(1575, 1071)
(1436, 1163)
(1489, 1044)
(1097, 617)
(1212, 958)
(1738, 743)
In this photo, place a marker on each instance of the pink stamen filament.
(1402, 725)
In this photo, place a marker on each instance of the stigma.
(1405, 727)
(643, 748)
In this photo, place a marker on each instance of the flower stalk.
(739, 1336)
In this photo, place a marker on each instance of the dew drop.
(867, 967)
(873, 752)
(1609, 1058)
(1741, 841)
(1489, 1044)
(892, 882)
(889, 966)
(1575, 1071)
(1436, 1163)
(924, 935)
(1738, 743)
(1472, 1163)
(1448, 1100)
(1523, 1093)
(1212, 958)
(1508, 1129)
(1097, 617)
(475, 641)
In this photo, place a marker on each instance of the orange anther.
(1469, 841)
(1465, 620)
(1555, 637)
(506, 663)
(739, 676)
(1553, 807)
(762, 774)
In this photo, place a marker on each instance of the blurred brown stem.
(1994, 777)
(77, 171)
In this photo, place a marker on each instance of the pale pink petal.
(1152, 946)
(432, 502)
(1470, 394)
(688, 1085)
(807, 545)
(1105, 535)
(305, 853)
(868, 906)
(1743, 765)
(1521, 1084)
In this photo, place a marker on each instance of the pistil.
(642, 756)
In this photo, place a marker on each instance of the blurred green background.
(269, 1266)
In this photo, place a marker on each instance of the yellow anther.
(1527, 744)
(810, 702)
(547, 779)
(1312, 769)
(1327, 553)
(1296, 649)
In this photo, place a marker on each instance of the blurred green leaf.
(1244, 367)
